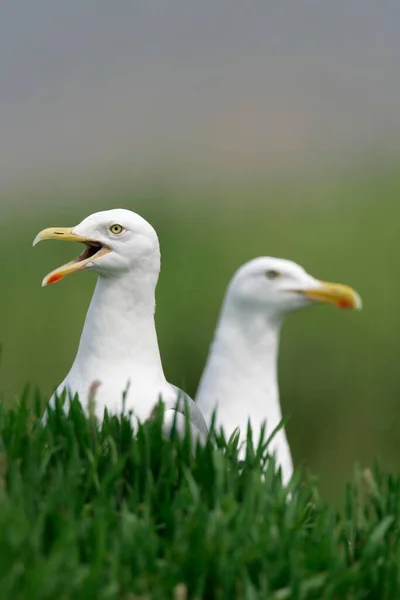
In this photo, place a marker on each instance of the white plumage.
(118, 350)
(240, 378)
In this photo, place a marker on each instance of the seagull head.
(116, 241)
(275, 287)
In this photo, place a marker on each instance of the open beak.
(93, 251)
(340, 295)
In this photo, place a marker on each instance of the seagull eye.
(272, 274)
(116, 229)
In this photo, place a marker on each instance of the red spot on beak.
(344, 304)
(54, 278)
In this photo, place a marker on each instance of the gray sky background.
(86, 85)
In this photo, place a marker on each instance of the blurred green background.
(338, 369)
(237, 131)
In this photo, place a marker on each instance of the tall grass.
(91, 511)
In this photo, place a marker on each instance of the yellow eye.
(116, 229)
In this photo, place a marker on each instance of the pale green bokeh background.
(339, 372)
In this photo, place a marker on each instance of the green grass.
(89, 511)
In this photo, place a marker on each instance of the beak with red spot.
(92, 252)
(342, 296)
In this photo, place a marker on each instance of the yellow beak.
(93, 251)
(337, 294)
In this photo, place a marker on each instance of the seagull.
(240, 382)
(118, 354)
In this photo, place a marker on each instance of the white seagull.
(240, 379)
(118, 351)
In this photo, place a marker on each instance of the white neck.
(119, 326)
(240, 379)
(241, 370)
